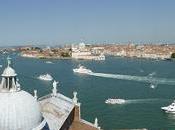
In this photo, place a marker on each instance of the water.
(146, 79)
(142, 109)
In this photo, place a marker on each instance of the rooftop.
(56, 109)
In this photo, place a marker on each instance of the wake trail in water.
(147, 79)
(151, 100)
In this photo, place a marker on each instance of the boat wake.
(147, 79)
(135, 101)
(150, 100)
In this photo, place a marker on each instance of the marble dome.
(19, 111)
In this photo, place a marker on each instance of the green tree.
(173, 55)
(65, 54)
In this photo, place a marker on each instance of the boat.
(45, 77)
(4, 52)
(115, 101)
(152, 86)
(151, 75)
(0, 66)
(49, 62)
(170, 108)
(81, 69)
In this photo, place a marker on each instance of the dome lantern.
(9, 81)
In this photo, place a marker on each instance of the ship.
(46, 77)
(170, 108)
(115, 101)
(81, 69)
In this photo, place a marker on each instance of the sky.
(55, 22)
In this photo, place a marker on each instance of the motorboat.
(152, 86)
(0, 66)
(81, 69)
(46, 77)
(115, 101)
(170, 108)
(49, 62)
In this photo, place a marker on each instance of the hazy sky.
(66, 21)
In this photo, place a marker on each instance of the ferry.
(46, 77)
(81, 69)
(170, 108)
(115, 101)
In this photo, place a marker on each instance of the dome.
(19, 111)
(9, 72)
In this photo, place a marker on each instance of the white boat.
(46, 77)
(49, 62)
(0, 66)
(115, 101)
(170, 108)
(81, 69)
(4, 52)
(152, 86)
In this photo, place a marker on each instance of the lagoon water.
(142, 109)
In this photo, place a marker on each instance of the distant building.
(19, 110)
(82, 46)
(82, 52)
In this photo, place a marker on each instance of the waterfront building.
(97, 50)
(100, 57)
(19, 110)
(84, 53)
(82, 46)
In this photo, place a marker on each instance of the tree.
(173, 55)
(65, 54)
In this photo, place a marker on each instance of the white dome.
(19, 111)
(9, 72)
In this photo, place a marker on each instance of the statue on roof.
(54, 90)
(8, 61)
(75, 99)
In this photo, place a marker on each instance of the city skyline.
(99, 21)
